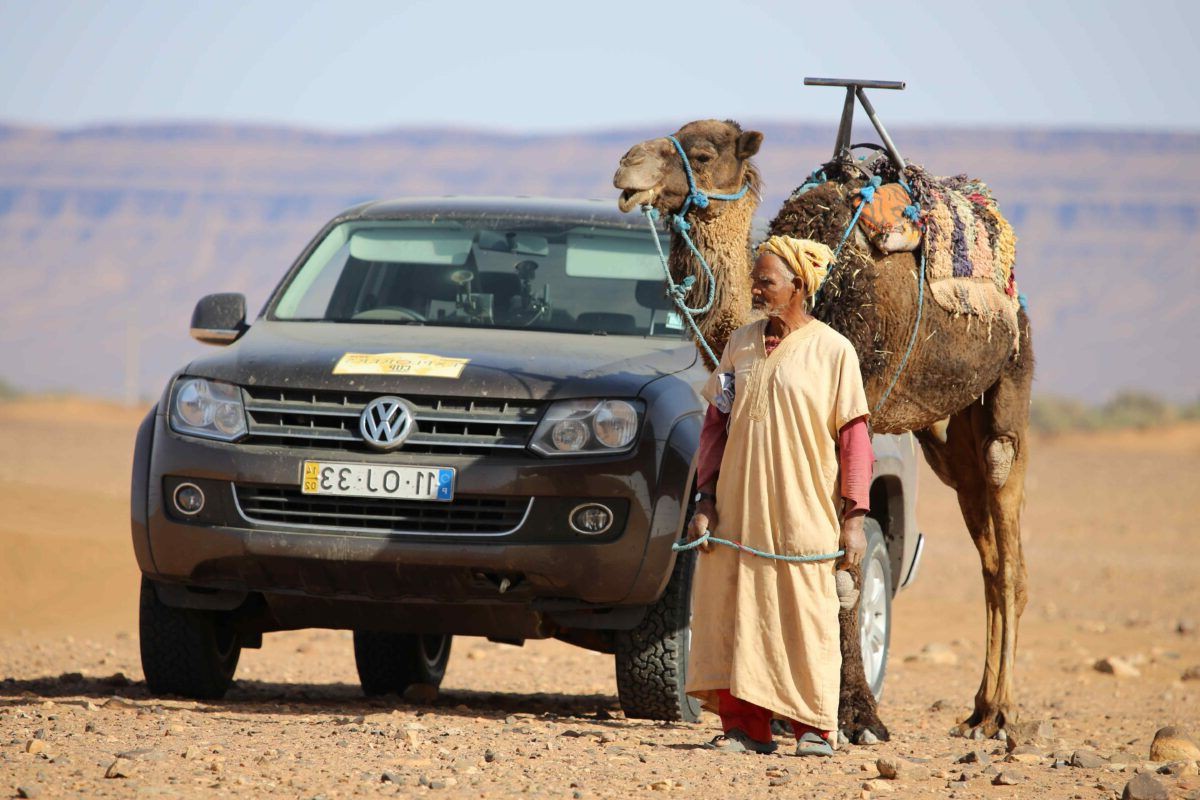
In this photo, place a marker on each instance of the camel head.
(652, 173)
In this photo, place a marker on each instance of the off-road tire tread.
(651, 663)
(178, 656)
(391, 662)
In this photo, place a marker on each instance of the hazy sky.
(369, 64)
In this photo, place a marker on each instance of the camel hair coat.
(767, 630)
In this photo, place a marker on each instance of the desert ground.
(1114, 570)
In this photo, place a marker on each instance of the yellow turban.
(808, 260)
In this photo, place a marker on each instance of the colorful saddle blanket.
(970, 249)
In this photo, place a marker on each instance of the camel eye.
(702, 157)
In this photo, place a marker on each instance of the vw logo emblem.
(386, 422)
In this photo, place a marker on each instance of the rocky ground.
(1109, 654)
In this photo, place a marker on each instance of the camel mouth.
(632, 198)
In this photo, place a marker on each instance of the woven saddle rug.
(969, 248)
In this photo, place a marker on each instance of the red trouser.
(754, 721)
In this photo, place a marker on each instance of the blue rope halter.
(696, 198)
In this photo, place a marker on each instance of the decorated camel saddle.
(967, 248)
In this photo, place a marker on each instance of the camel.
(964, 391)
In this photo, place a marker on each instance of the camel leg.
(984, 459)
(1003, 425)
(856, 705)
(958, 463)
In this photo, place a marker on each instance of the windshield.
(485, 273)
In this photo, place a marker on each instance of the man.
(765, 639)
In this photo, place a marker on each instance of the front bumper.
(540, 564)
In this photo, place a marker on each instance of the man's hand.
(853, 541)
(705, 519)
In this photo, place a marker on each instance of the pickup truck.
(453, 417)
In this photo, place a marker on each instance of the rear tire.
(185, 651)
(391, 662)
(652, 658)
(875, 608)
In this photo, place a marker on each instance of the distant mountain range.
(108, 235)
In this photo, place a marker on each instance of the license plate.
(377, 480)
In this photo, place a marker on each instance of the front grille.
(464, 515)
(445, 425)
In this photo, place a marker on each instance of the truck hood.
(508, 364)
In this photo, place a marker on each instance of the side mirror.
(219, 318)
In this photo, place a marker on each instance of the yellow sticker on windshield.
(421, 364)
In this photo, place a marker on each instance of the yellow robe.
(768, 630)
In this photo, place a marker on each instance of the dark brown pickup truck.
(453, 417)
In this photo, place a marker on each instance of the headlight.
(207, 408)
(588, 427)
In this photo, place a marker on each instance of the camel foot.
(983, 725)
(865, 728)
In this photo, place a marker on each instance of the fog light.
(189, 500)
(591, 519)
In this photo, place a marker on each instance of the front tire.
(875, 607)
(391, 662)
(185, 651)
(652, 658)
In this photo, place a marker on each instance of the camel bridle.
(696, 196)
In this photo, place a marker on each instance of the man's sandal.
(811, 744)
(737, 741)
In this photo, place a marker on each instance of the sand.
(1114, 570)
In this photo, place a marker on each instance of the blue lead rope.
(708, 537)
(678, 291)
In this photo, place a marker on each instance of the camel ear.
(748, 144)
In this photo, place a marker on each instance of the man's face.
(771, 286)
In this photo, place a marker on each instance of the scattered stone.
(662, 786)
(421, 693)
(1144, 787)
(192, 752)
(392, 777)
(1191, 673)
(1185, 626)
(35, 746)
(1117, 666)
(142, 754)
(1038, 732)
(1179, 769)
(866, 738)
(893, 768)
(1008, 777)
(1025, 754)
(1086, 759)
(935, 653)
(878, 786)
(779, 780)
(974, 757)
(122, 768)
(117, 701)
(1174, 744)
(29, 792)
(941, 704)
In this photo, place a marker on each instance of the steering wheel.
(394, 313)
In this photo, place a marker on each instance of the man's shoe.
(810, 744)
(738, 741)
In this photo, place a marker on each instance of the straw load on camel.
(923, 286)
